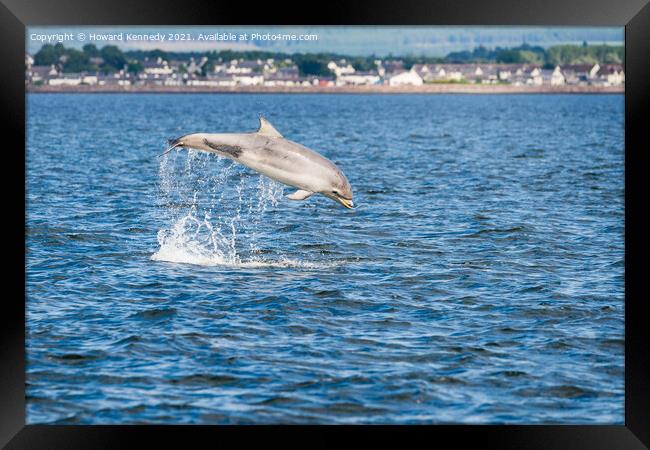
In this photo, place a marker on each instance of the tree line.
(550, 57)
(89, 59)
(110, 58)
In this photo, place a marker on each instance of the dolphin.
(266, 151)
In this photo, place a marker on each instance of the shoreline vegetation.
(523, 69)
(435, 88)
(111, 58)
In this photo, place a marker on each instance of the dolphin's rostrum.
(269, 153)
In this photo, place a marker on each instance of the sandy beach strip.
(450, 88)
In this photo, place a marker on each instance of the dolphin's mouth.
(345, 202)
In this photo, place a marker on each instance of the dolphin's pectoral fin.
(267, 129)
(300, 195)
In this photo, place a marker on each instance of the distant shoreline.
(451, 88)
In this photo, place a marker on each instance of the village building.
(114, 79)
(89, 80)
(41, 74)
(66, 79)
(324, 81)
(286, 76)
(244, 67)
(213, 80)
(581, 74)
(340, 68)
(434, 73)
(452, 74)
(487, 74)
(557, 77)
(358, 78)
(534, 77)
(248, 80)
(157, 68)
(390, 66)
(613, 75)
(405, 78)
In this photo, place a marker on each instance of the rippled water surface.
(479, 280)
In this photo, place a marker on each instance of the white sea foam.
(217, 214)
(183, 256)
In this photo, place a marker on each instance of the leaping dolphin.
(269, 153)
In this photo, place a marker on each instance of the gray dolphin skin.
(266, 151)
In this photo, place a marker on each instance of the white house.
(557, 78)
(118, 78)
(66, 80)
(535, 77)
(340, 68)
(614, 75)
(428, 72)
(452, 74)
(504, 75)
(406, 78)
(213, 81)
(157, 68)
(38, 74)
(89, 79)
(248, 80)
(616, 78)
(242, 67)
(358, 78)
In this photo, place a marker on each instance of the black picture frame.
(15, 15)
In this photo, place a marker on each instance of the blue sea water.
(479, 280)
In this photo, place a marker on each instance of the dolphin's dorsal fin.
(267, 129)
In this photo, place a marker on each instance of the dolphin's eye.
(335, 193)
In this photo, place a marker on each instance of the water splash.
(217, 211)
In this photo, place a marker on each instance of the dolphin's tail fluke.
(173, 143)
